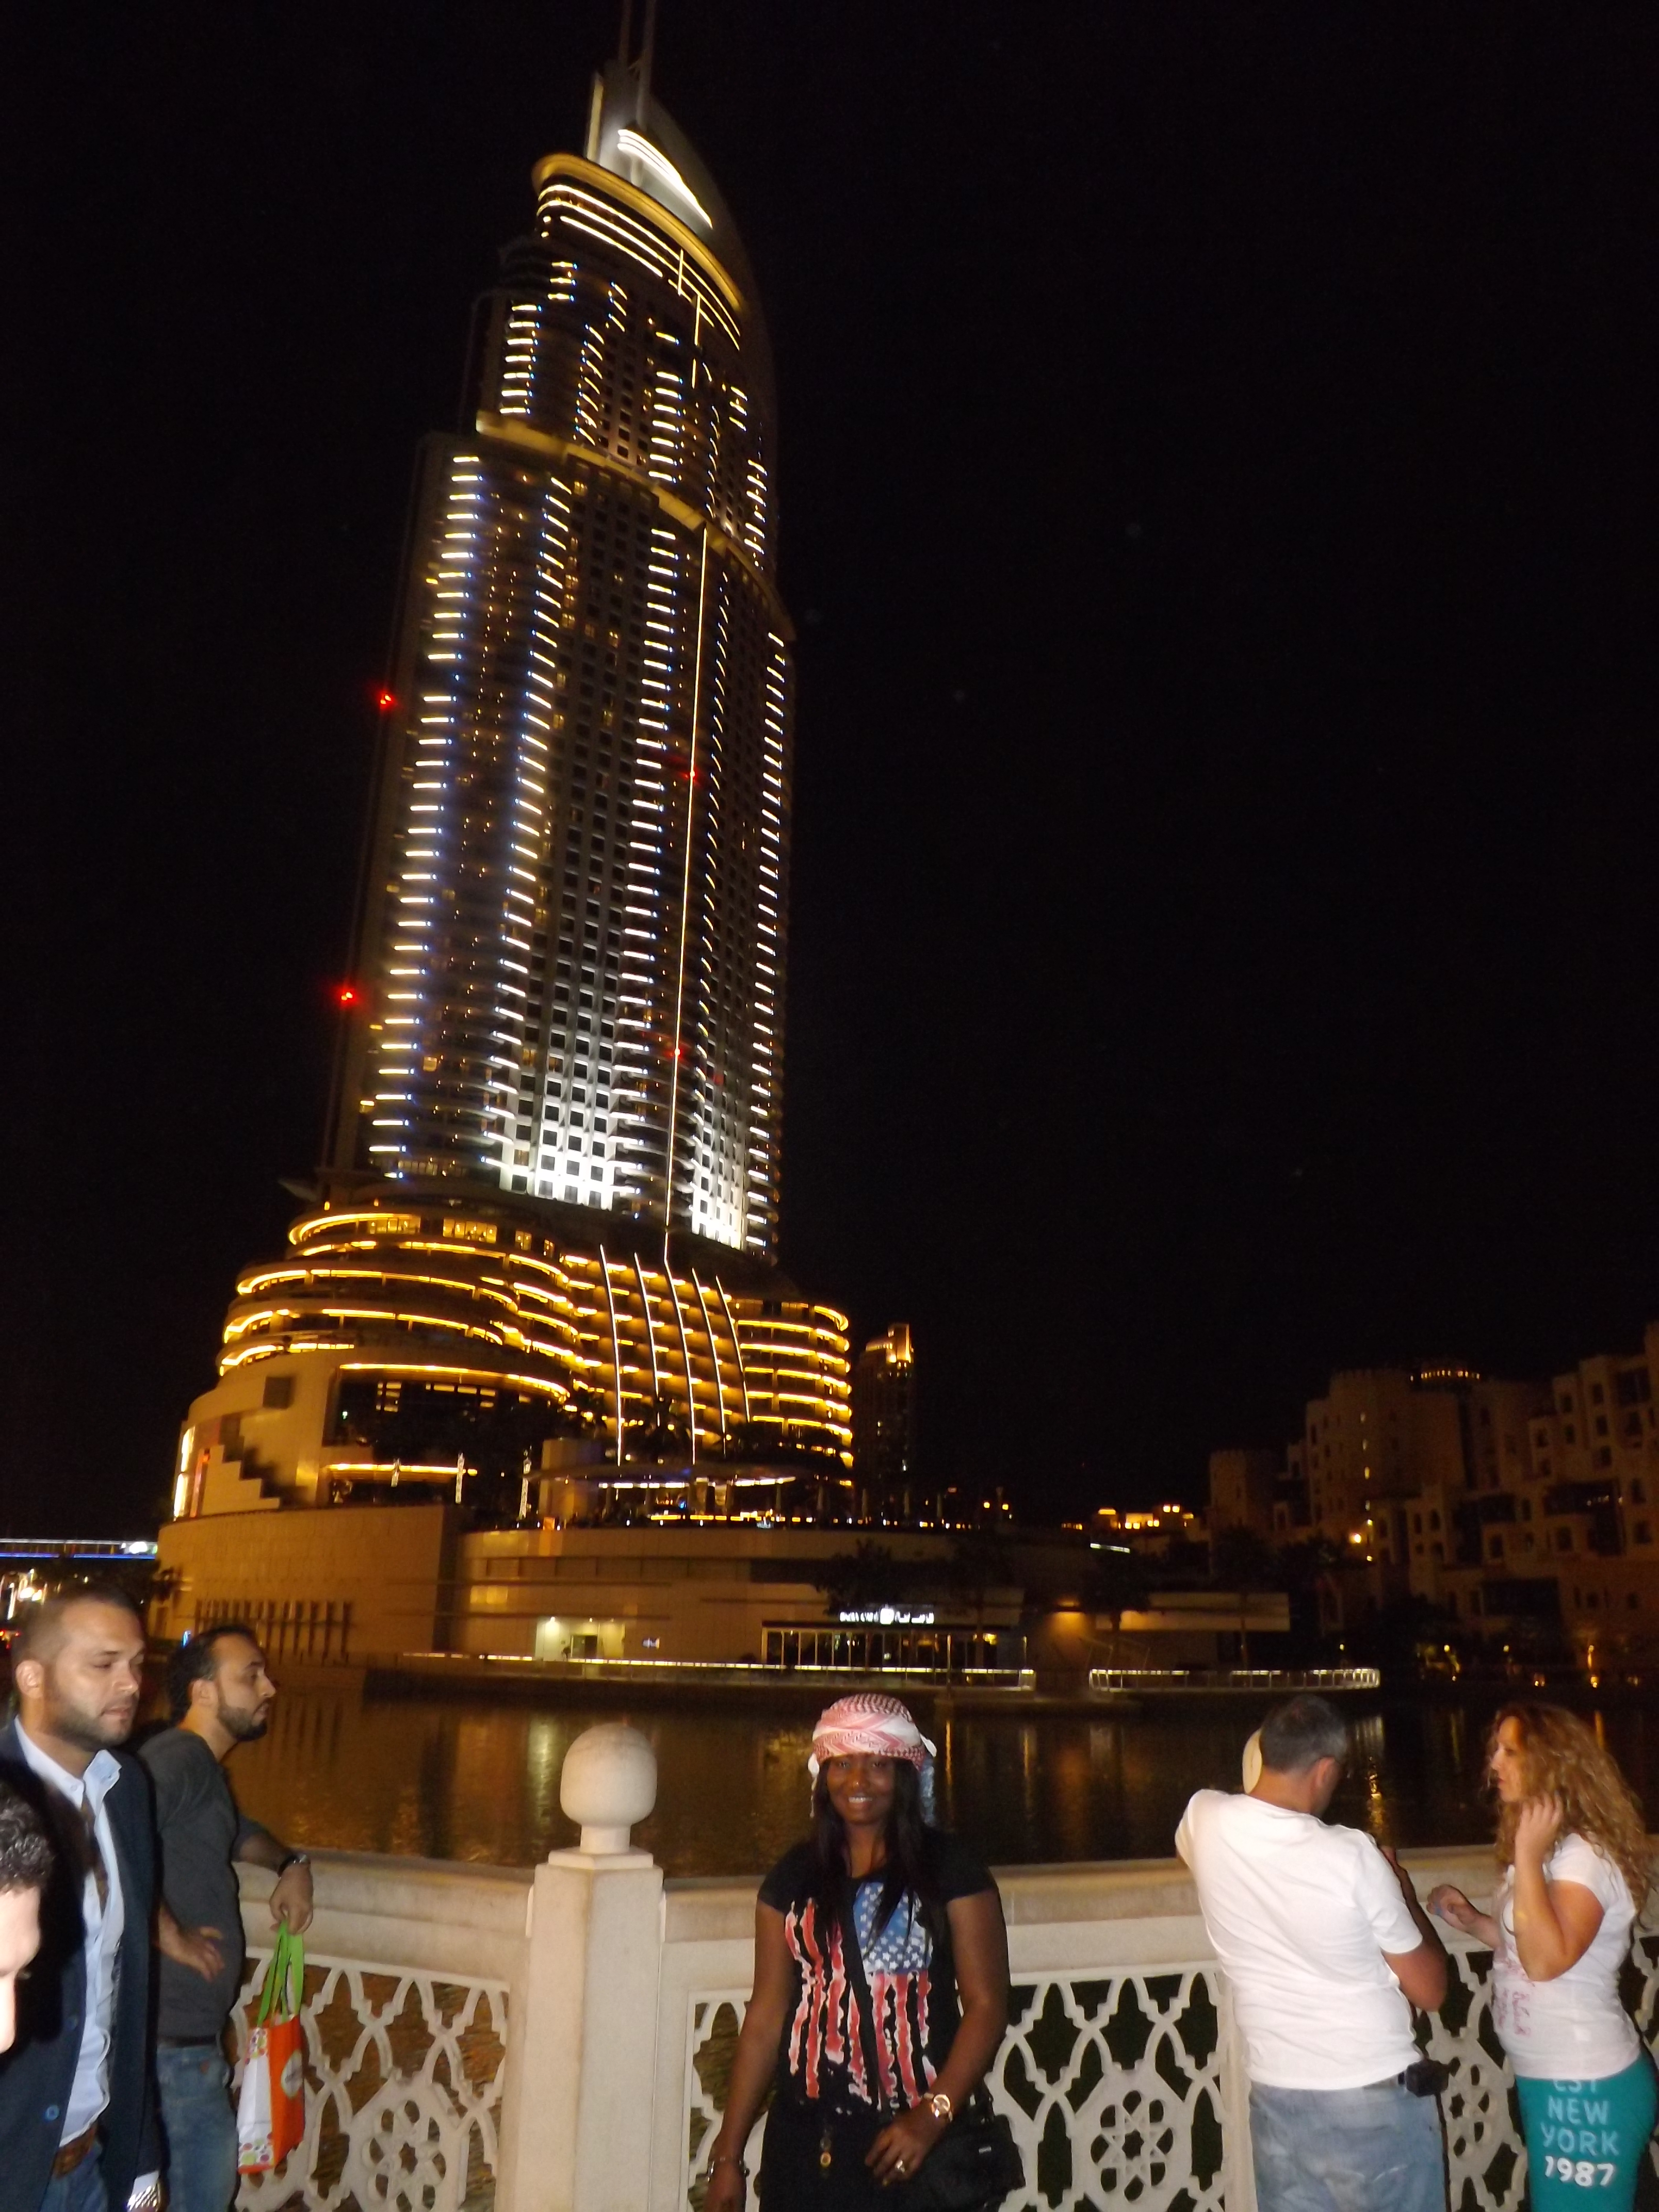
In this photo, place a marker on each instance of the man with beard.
(77, 2119)
(220, 1695)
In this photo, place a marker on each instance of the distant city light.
(345, 994)
(385, 699)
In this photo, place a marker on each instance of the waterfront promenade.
(557, 2039)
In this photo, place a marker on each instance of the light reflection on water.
(448, 1778)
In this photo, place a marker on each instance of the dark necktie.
(93, 1859)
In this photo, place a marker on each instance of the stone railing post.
(1238, 2165)
(576, 2132)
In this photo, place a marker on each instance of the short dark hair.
(196, 1661)
(41, 1633)
(25, 1853)
(1298, 1734)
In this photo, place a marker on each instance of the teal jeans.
(1586, 2140)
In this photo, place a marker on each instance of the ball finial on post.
(608, 1782)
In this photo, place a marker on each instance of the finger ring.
(898, 2166)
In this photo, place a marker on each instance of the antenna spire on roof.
(647, 49)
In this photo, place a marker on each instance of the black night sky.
(1219, 491)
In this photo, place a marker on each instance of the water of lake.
(448, 1778)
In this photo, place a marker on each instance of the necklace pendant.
(825, 2157)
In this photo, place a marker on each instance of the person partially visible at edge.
(220, 1695)
(1571, 1842)
(77, 2114)
(881, 1982)
(26, 1865)
(1321, 1934)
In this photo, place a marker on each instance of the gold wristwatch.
(939, 2106)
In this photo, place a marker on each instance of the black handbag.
(972, 2166)
(976, 2163)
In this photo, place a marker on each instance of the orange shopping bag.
(270, 2113)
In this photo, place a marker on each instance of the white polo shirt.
(1300, 1912)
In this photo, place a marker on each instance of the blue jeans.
(199, 2126)
(1346, 2150)
(80, 2192)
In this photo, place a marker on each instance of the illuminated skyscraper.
(571, 975)
(545, 1235)
(884, 1418)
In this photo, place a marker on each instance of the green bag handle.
(285, 1978)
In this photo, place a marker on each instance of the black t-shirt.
(198, 1827)
(831, 2039)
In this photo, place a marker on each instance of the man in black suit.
(77, 2111)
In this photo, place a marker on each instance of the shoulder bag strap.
(864, 2004)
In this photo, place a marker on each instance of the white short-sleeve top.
(1573, 2028)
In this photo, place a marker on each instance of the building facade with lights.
(539, 1270)
(405, 1342)
(570, 983)
(1528, 1510)
(884, 1419)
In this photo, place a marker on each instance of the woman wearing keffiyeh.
(881, 1981)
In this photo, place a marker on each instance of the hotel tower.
(545, 1235)
(572, 961)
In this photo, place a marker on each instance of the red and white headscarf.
(867, 1722)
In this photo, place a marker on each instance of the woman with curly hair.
(1574, 1849)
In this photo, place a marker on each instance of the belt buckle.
(71, 2154)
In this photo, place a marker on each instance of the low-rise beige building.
(348, 1585)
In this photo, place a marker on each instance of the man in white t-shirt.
(1321, 1934)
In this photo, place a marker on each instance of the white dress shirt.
(103, 1925)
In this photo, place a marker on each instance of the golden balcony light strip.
(264, 1318)
(547, 445)
(402, 1317)
(490, 1377)
(449, 1247)
(310, 1225)
(392, 1278)
(251, 1352)
(608, 186)
(367, 1466)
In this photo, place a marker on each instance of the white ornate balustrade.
(408, 1969)
(560, 2040)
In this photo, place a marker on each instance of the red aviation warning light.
(345, 994)
(385, 699)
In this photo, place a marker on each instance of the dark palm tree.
(1241, 1560)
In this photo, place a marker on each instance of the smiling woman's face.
(861, 1788)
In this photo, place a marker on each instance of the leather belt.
(69, 2155)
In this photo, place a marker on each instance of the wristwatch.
(294, 1859)
(940, 2106)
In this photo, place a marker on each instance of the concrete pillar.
(576, 2106)
(1237, 2165)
